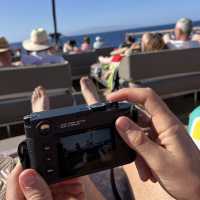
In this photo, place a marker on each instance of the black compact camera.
(75, 141)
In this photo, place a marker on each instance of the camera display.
(86, 151)
(75, 141)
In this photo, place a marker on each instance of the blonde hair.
(154, 42)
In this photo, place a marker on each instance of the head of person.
(146, 37)
(183, 29)
(86, 40)
(72, 43)
(153, 42)
(38, 41)
(130, 39)
(98, 39)
(5, 53)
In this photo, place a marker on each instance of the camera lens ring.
(44, 128)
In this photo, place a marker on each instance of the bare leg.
(144, 190)
(40, 100)
(89, 91)
(91, 191)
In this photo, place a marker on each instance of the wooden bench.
(104, 51)
(17, 85)
(80, 63)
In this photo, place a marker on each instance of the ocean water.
(112, 38)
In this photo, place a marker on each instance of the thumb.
(136, 139)
(33, 186)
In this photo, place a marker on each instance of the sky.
(19, 17)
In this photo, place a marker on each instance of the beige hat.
(38, 41)
(4, 46)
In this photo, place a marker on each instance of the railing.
(139, 34)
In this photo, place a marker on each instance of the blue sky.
(19, 17)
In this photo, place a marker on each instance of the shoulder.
(29, 59)
(54, 59)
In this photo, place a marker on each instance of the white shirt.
(41, 58)
(98, 45)
(179, 44)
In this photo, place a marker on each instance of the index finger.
(162, 117)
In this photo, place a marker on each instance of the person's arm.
(171, 158)
(118, 51)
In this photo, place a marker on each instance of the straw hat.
(38, 41)
(4, 46)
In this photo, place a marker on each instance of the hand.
(30, 185)
(171, 157)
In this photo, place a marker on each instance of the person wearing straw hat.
(98, 44)
(38, 45)
(5, 53)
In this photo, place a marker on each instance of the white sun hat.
(98, 38)
(38, 41)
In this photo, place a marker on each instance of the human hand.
(171, 157)
(30, 185)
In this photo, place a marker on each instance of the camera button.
(98, 107)
(114, 104)
(50, 171)
(48, 159)
(44, 128)
(47, 148)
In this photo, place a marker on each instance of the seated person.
(38, 46)
(149, 42)
(152, 42)
(183, 32)
(85, 46)
(129, 40)
(5, 53)
(98, 44)
(71, 47)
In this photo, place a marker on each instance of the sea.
(111, 38)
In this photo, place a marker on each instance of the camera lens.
(44, 128)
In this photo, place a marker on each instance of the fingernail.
(124, 125)
(29, 180)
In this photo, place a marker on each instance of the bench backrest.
(158, 64)
(80, 63)
(104, 51)
(24, 79)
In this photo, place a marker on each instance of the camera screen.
(85, 151)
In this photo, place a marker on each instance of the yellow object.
(196, 129)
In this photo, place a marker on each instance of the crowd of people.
(71, 47)
(181, 38)
(38, 50)
(166, 153)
